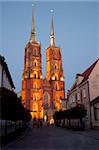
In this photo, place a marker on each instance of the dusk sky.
(76, 26)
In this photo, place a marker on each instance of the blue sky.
(76, 26)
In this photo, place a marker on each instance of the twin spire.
(33, 32)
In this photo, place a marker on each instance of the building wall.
(55, 75)
(88, 92)
(32, 91)
(94, 82)
(80, 95)
(4, 81)
(95, 114)
(42, 96)
(0, 75)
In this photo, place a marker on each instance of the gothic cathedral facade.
(42, 96)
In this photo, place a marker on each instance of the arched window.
(34, 52)
(34, 98)
(46, 100)
(34, 64)
(56, 77)
(56, 98)
(34, 75)
(56, 86)
(35, 107)
(55, 67)
(35, 86)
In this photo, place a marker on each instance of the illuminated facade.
(42, 96)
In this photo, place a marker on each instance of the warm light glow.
(40, 95)
(41, 77)
(31, 75)
(25, 76)
(61, 78)
(53, 78)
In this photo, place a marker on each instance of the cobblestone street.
(54, 138)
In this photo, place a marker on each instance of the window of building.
(34, 98)
(35, 107)
(73, 98)
(55, 67)
(35, 86)
(70, 99)
(34, 52)
(84, 93)
(34, 64)
(56, 86)
(34, 75)
(46, 99)
(81, 96)
(96, 114)
(56, 98)
(56, 77)
(78, 96)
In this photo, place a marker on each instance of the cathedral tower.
(54, 71)
(32, 91)
(42, 97)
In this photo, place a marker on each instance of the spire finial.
(33, 33)
(52, 37)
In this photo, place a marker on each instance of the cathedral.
(42, 96)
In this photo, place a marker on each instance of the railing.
(8, 126)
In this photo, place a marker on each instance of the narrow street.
(54, 138)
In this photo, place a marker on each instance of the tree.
(11, 107)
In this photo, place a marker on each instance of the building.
(42, 95)
(85, 91)
(19, 94)
(5, 77)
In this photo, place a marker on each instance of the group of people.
(40, 122)
(37, 122)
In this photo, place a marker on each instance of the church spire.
(33, 32)
(52, 37)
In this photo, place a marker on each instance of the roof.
(86, 74)
(88, 71)
(5, 67)
(96, 100)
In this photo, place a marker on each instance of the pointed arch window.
(35, 64)
(34, 98)
(34, 75)
(55, 67)
(35, 86)
(56, 86)
(46, 99)
(56, 78)
(35, 107)
(56, 98)
(34, 52)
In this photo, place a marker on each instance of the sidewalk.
(12, 138)
(90, 133)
